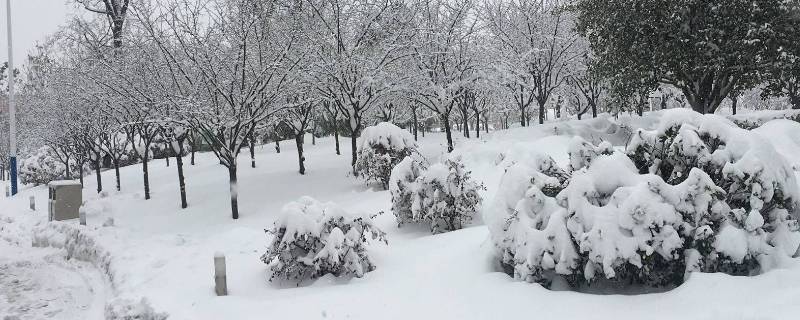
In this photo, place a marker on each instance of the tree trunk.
(252, 141)
(414, 118)
(298, 139)
(314, 134)
(181, 180)
(234, 190)
(542, 112)
(446, 124)
(594, 110)
(97, 173)
(81, 177)
(146, 176)
(353, 151)
(734, 102)
(477, 126)
(192, 161)
(522, 117)
(116, 31)
(116, 173)
(68, 174)
(277, 146)
(167, 150)
(640, 108)
(465, 126)
(336, 138)
(795, 100)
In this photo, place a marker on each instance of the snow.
(164, 254)
(388, 135)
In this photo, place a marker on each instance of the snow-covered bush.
(696, 194)
(382, 147)
(127, 309)
(443, 195)
(402, 187)
(756, 119)
(42, 166)
(312, 239)
(581, 152)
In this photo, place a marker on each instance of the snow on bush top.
(307, 216)
(387, 135)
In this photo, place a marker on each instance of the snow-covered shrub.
(312, 239)
(382, 147)
(443, 195)
(42, 166)
(696, 194)
(127, 309)
(582, 152)
(402, 187)
(756, 119)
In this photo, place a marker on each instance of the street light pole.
(12, 134)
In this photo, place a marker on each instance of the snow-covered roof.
(59, 183)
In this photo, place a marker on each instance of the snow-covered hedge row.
(312, 239)
(382, 147)
(79, 243)
(443, 196)
(696, 194)
(126, 309)
(754, 120)
(41, 167)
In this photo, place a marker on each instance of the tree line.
(142, 80)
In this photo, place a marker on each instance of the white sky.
(32, 21)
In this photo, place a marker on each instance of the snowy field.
(157, 251)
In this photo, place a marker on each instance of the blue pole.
(12, 120)
(13, 164)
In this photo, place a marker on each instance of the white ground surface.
(39, 283)
(165, 253)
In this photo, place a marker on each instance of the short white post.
(220, 279)
(33, 203)
(82, 216)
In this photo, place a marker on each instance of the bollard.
(220, 279)
(82, 216)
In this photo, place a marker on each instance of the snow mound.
(79, 243)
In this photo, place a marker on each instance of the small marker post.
(220, 277)
(82, 216)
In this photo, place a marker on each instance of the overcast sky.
(32, 21)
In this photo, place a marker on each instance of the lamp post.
(12, 132)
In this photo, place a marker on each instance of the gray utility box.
(66, 197)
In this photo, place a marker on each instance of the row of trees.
(143, 80)
(228, 73)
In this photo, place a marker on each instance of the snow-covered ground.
(163, 253)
